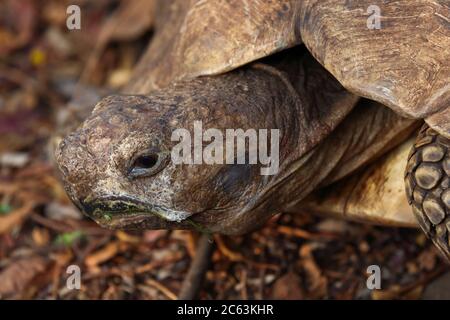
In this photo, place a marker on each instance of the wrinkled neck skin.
(295, 96)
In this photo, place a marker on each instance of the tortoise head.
(118, 166)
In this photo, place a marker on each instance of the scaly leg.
(427, 186)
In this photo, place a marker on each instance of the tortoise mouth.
(123, 211)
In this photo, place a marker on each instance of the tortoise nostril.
(145, 161)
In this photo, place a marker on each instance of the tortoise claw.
(427, 181)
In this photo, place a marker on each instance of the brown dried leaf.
(41, 236)
(125, 237)
(15, 217)
(288, 287)
(119, 77)
(57, 211)
(317, 287)
(132, 19)
(427, 260)
(17, 276)
(14, 159)
(227, 252)
(21, 27)
(331, 225)
(106, 253)
(387, 294)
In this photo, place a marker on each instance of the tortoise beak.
(123, 211)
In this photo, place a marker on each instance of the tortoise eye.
(147, 164)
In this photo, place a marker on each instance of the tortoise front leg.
(427, 181)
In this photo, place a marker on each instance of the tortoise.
(348, 101)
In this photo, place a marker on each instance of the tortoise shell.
(402, 62)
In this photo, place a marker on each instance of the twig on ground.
(194, 278)
(239, 257)
(299, 233)
(166, 291)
